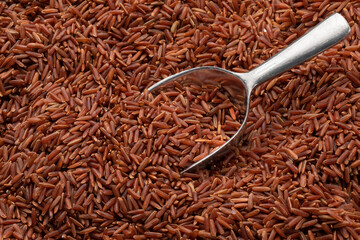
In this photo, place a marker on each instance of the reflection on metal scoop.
(240, 85)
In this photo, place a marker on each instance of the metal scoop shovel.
(240, 85)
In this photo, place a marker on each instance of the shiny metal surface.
(240, 85)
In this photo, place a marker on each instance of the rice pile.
(84, 155)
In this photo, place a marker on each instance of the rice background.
(78, 160)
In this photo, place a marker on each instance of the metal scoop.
(240, 85)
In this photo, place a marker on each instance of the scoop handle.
(321, 37)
